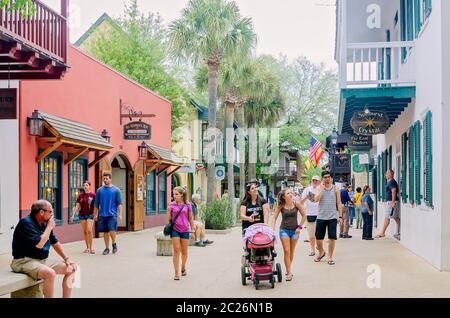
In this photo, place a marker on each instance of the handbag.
(311, 218)
(169, 227)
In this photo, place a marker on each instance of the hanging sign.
(8, 103)
(360, 142)
(368, 123)
(137, 130)
(220, 172)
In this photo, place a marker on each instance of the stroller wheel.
(243, 275)
(272, 282)
(256, 283)
(279, 273)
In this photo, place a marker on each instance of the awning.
(66, 132)
(392, 100)
(159, 156)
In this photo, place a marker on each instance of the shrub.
(218, 215)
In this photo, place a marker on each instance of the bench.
(20, 285)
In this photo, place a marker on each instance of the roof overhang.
(162, 158)
(392, 100)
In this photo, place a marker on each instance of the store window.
(50, 183)
(162, 198)
(150, 182)
(77, 175)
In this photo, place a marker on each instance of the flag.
(307, 165)
(315, 152)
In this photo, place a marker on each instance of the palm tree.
(207, 32)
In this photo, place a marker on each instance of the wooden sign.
(360, 142)
(8, 103)
(368, 123)
(137, 130)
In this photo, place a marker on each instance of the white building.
(394, 56)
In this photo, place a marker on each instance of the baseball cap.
(317, 178)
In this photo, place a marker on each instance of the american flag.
(315, 152)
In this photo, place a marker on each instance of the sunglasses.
(327, 177)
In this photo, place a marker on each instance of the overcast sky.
(290, 27)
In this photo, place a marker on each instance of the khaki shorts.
(31, 266)
(311, 227)
(392, 213)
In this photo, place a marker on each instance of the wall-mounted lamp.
(106, 135)
(142, 148)
(35, 124)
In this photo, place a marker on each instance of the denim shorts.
(107, 224)
(85, 217)
(287, 233)
(181, 235)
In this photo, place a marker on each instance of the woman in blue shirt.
(367, 214)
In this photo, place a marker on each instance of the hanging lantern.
(142, 148)
(36, 124)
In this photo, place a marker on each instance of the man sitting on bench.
(30, 248)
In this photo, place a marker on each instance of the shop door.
(120, 181)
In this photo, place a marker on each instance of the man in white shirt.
(312, 209)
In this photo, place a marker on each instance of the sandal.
(177, 277)
(331, 262)
(318, 259)
(289, 277)
(312, 254)
(183, 273)
(380, 236)
(87, 251)
(91, 252)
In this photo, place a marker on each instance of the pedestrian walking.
(290, 227)
(180, 213)
(346, 201)
(312, 208)
(84, 207)
(254, 208)
(271, 200)
(31, 243)
(392, 206)
(330, 213)
(357, 200)
(107, 210)
(351, 205)
(367, 214)
(200, 233)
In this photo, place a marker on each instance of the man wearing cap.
(312, 208)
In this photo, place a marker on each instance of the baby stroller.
(259, 259)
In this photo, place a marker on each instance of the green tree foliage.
(137, 48)
(25, 7)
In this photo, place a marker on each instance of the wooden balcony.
(33, 47)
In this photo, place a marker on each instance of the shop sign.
(360, 142)
(220, 172)
(368, 123)
(137, 130)
(8, 105)
(140, 188)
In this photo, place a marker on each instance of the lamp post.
(106, 135)
(142, 148)
(36, 124)
(334, 138)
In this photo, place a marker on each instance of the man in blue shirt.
(107, 209)
(346, 201)
(31, 243)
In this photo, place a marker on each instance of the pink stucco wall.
(89, 93)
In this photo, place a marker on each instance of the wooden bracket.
(97, 160)
(48, 151)
(76, 155)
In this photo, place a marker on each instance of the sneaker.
(397, 237)
(201, 244)
(106, 251)
(341, 235)
(347, 236)
(114, 248)
(207, 242)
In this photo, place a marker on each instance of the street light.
(334, 139)
(106, 135)
(142, 150)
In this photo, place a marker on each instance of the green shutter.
(411, 178)
(380, 175)
(404, 167)
(410, 17)
(418, 163)
(390, 158)
(417, 17)
(403, 26)
(427, 131)
(383, 172)
(427, 6)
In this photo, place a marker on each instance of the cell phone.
(392, 211)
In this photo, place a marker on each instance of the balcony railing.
(377, 63)
(45, 31)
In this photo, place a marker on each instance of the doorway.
(122, 177)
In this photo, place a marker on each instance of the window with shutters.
(417, 163)
(162, 197)
(150, 182)
(390, 158)
(428, 160)
(384, 156)
(379, 178)
(411, 167)
(403, 178)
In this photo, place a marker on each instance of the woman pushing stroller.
(254, 208)
(289, 228)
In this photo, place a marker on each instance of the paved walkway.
(214, 271)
